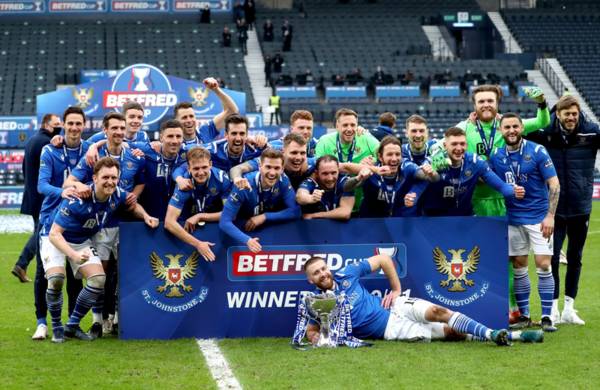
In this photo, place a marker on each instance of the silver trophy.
(140, 74)
(321, 306)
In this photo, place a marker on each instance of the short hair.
(198, 153)
(181, 106)
(324, 159)
(415, 118)
(387, 119)
(271, 153)
(566, 102)
(454, 132)
(73, 110)
(169, 124)
(235, 119)
(47, 118)
(106, 162)
(293, 137)
(488, 88)
(343, 112)
(308, 262)
(509, 115)
(300, 114)
(131, 105)
(112, 115)
(388, 140)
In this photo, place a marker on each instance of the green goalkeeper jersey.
(476, 145)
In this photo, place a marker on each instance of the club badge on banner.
(167, 290)
(143, 83)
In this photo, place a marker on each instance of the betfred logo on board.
(145, 84)
(285, 262)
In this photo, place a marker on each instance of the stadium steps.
(255, 67)
(439, 46)
(552, 66)
(538, 78)
(510, 43)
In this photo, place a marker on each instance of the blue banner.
(297, 92)
(167, 291)
(16, 130)
(144, 83)
(345, 92)
(11, 197)
(397, 91)
(91, 75)
(139, 5)
(444, 91)
(8, 7)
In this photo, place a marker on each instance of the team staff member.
(269, 198)
(323, 195)
(32, 200)
(185, 114)
(531, 219)
(572, 142)
(210, 187)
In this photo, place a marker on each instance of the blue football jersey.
(205, 134)
(203, 198)
(384, 196)
(221, 159)
(530, 167)
(158, 179)
(417, 158)
(329, 200)
(295, 178)
(82, 218)
(277, 203)
(56, 164)
(132, 168)
(369, 318)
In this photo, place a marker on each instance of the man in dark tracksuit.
(387, 126)
(572, 142)
(32, 200)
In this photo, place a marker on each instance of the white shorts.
(523, 238)
(52, 257)
(407, 321)
(106, 242)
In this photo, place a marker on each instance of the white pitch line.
(217, 365)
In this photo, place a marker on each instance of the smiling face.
(327, 174)
(303, 127)
(417, 134)
(318, 273)
(486, 106)
(115, 131)
(270, 171)
(199, 169)
(456, 145)
(569, 118)
(187, 118)
(511, 130)
(236, 136)
(171, 139)
(106, 181)
(73, 128)
(346, 126)
(134, 119)
(294, 156)
(391, 155)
